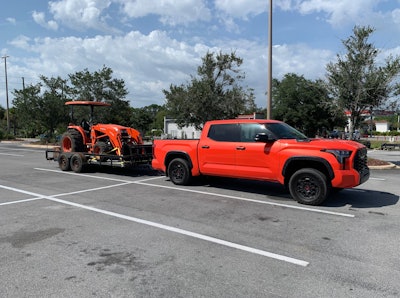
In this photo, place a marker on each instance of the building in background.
(173, 131)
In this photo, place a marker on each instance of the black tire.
(72, 141)
(100, 148)
(179, 172)
(77, 162)
(63, 162)
(308, 186)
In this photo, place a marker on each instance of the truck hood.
(323, 144)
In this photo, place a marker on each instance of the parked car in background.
(333, 134)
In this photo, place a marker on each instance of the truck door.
(216, 152)
(254, 159)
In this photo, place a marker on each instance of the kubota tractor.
(97, 143)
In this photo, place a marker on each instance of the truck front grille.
(361, 164)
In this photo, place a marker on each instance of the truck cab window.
(224, 132)
(248, 131)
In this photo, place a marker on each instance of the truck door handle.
(240, 148)
(205, 147)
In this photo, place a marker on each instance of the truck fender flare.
(177, 154)
(309, 160)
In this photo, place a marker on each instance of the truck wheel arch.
(298, 162)
(170, 156)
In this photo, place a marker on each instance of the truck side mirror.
(263, 137)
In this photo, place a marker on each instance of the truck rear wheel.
(179, 172)
(308, 186)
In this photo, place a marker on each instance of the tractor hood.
(119, 130)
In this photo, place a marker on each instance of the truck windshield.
(284, 131)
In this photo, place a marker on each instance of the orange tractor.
(99, 144)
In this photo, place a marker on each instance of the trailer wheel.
(63, 162)
(179, 172)
(72, 141)
(308, 186)
(77, 162)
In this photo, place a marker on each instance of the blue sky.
(151, 44)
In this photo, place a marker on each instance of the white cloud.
(339, 12)
(40, 18)
(81, 14)
(147, 63)
(396, 16)
(241, 9)
(11, 20)
(21, 42)
(150, 63)
(171, 12)
(300, 59)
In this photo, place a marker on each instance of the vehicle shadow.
(137, 171)
(276, 190)
(360, 198)
(357, 198)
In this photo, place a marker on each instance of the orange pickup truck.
(266, 150)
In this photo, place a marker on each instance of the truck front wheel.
(179, 172)
(308, 186)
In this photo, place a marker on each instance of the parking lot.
(132, 233)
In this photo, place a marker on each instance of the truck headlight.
(340, 155)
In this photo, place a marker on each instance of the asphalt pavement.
(132, 233)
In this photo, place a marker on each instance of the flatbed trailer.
(79, 161)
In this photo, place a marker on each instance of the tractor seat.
(85, 125)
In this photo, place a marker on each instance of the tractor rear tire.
(72, 141)
(63, 162)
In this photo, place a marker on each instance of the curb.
(384, 167)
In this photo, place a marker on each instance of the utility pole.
(269, 87)
(8, 108)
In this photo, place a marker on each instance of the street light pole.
(8, 109)
(269, 87)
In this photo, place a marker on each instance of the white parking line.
(9, 154)
(169, 228)
(211, 194)
(20, 201)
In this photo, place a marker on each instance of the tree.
(216, 92)
(304, 104)
(147, 118)
(356, 81)
(101, 86)
(40, 108)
